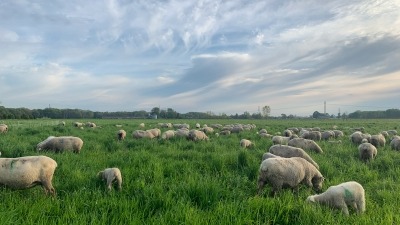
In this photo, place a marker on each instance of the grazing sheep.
(155, 131)
(294, 130)
(367, 151)
(268, 155)
(312, 135)
(196, 135)
(385, 134)
(338, 133)
(225, 132)
(183, 132)
(91, 125)
(305, 144)
(335, 142)
(62, 123)
(26, 172)
(392, 132)
(168, 134)
(395, 143)
(326, 135)
(60, 144)
(121, 134)
(265, 135)
(289, 152)
(110, 175)
(197, 126)
(280, 140)
(341, 196)
(138, 134)
(78, 124)
(378, 140)
(288, 172)
(3, 128)
(361, 129)
(263, 131)
(237, 129)
(141, 125)
(357, 137)
(208, 130)
(287, 133)
(244, 143)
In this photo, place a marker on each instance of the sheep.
(61, 123)
(280, 140)
(287, 133)
(196, 135)
(357, 137)
(110, 175)
(3, 128)
(268, 155)
(197, 126)
(341, 196)
(208, 130)
(155, 131)
(29, 171)
(183, 132)
(91, 125)
(265, 135)
(121, 134)
(378, 140)
(395, 143)
(225, 132)
(141, 125)
(78, 124)
(59, 144)
(326, 135)
(367, 151)
(168, 134)
(294, 130)
(385, 134)
(392, 132)
(138, 134)
(335, 142)
(289, 151)
(244, 143)
(312, 135)
(305, 144)
(288, 172)
(262, 131)
(338, 133)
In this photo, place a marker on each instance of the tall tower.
(324, 107)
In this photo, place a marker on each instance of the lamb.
(3, 128)
(168, 134)
(341, 196)
(121, 134)
(26, 172)
(288, 172)
(110, 175)
(138, 134)
(305, 144)
(378, 140)
(244, 143)
(289, 151)
(196, 135)
(395, 143)
(60, 144)
(367, 151)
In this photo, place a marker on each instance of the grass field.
(183, 182)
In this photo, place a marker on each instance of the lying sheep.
(378, 140)
(289, 151)
(288, 172)
(367, 151)
(244, 143)
(121, 134)
(395, 143)
(110, 175)
(3, 128)
(357, 137)
(139, 134)
(305, 144)
(168, 134)
(60, 144)
(26, 172)
(196, 135)
(341, 196)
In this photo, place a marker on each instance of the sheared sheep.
(155, 131)
(357, 137)
(121, 134)
(196, 135)
(395, 143)
(367, 151)
(26, 172)
(290, 151)
(138, 134)
(312, 135)
(305, 144)
(378, 140)
(60, 144)
(110, 175)
(288, 172)
(341, 196)
(3, 128)
(244, 143)
(168, 134)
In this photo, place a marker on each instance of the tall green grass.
(182, 182)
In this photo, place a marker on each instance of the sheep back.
(62, 143)
(305, 144)
(290, 151)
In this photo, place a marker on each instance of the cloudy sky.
(201, 55)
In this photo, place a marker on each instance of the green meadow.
(183, 182)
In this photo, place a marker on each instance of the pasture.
(179, 181)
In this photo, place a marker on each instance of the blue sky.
(220, 56)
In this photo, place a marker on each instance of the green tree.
(266, 110)
(155, 111)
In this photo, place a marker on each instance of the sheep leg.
(345, 210)
(48, 188)
(119, 184)
(109, 183)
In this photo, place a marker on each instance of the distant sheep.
(326, 135)
(378, 140)
(290, 151)
(288, 172)
(305, 144)
(338, 133)
(3, 128)
(139, 134)
(268, 155)
(91, 125)
(208, 130)
(265, 135)
(287, 133)
(121, 134)
(244, 143)
(225, 132)
(312, 135)
(155, 131)
(335, 142)
(182, 133)
(111, 175)
(168, 134)
(367, 151)
(392, 132)
(341, 196)
(78, 124)
(357, 137)
(62, 123)
(395, 143)
(141, 125)
(263, 131)
(60, 144)
(197, 135)
(280, 140)
(26, 172)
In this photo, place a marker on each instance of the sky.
(200, 56)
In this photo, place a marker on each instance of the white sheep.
(328, 134)
(3, 128)
(280, 140)
(197, 126)
(288, 172)
(305, 144)
(392, 132)
(138, 134)
(155, 131)
(168, 134)
(62, 123)
(121, 134)
(196, 135)
(367, 151)
(141, 125)
(183, 132)
(78, 124)
(268, 155)
(290, 151)
(110, 175)
(208, 130)
(26, 172)
(312, 135)
(378, 140)
(357, 137)
(60, 144)
(244, 143)
(395, 142)
(287, 133)
(341, 196)
(338, 133)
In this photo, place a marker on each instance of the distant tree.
(155, 111)
(266, 110)
(283, 115)
(315, 114)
